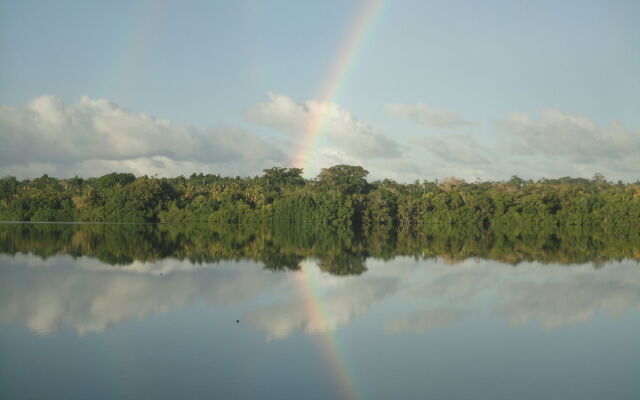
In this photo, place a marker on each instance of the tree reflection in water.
(338, 252)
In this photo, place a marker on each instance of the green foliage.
(339, 196)
(113, 180)
(283, 178)
(345, 179)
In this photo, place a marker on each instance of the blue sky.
(204, 68)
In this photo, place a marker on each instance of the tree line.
(339, 196)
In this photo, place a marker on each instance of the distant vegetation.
(339, 196)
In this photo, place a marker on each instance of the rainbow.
(338, 73)
(306, 281)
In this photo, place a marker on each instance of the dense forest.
(338, 196)
(338, 251)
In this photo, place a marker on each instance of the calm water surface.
(116, 312)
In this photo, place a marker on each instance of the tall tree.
(346, 179)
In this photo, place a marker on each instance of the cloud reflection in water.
(90, 296)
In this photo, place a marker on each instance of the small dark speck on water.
(237, 321)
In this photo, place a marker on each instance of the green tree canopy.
(346, 179)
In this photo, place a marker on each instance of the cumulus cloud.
(558, 133)
(99, 135)
(554, 145)
(425, 115)
(95, 136)
(571, 145)
(345, 135)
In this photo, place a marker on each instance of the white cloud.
(560, 144)
(94, 136)
(342, 131)
(555, 145)
(558, 133)
(425, 115)
(100, 136)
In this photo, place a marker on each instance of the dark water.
(194, 311)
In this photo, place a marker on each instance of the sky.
(407, 89)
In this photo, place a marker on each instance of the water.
(193, 311)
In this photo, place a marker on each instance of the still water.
(193, 311)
